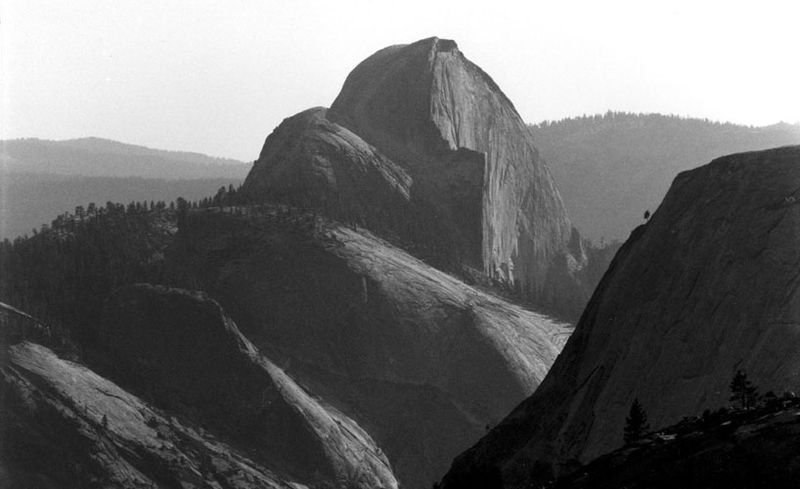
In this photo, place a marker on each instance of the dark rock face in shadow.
(708, 286)
(182, 349)
(420, 360)
(65, 426)
(422, 142)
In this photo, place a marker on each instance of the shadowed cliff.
(708, 286)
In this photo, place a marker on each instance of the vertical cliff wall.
(421, 101)
(422, 142)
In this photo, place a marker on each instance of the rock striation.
(62, 425)
(422, 122)
(180, 348)
(422, 361)
(708, 286)
(754, 448)
(423, 101)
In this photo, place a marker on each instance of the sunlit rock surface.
(65, 426)
(423, 100)
(708, 286)
(422, 142)
(420, 360)
(181, 348)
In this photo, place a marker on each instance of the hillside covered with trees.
(611, 168)
(40, 179)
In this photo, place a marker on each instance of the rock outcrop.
(309, 161)
(708, 286)
(180, 348)
(422, 101)
(422, 122)
(62, 425)
(417, 358)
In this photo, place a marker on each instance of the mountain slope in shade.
(412, 365)
(65, 426)
(471, 183)
(181, 349)
(756, 448)
(612, 168)
(708, 286)
(422, 361)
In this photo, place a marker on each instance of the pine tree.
(743, 393)
(636, 423)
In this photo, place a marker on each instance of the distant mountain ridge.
(103, 157)
(611, 168)
(40, 179)
(29, 200)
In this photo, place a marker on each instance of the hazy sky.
(218, 76)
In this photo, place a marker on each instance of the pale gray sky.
(218, 76)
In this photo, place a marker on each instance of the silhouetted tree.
(743, 393)
(183, 210)
(636, 423)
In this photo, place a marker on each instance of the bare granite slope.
(708, 286)
(181, 348)
(309, 160)
(65, 426)
(423, 143)
(420, 360)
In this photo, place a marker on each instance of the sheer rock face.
(708, 286)
(182, 349)
(62, 425)
(420, 101)
(423, 122)
(420, 360)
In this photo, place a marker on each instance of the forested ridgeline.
(610, 168)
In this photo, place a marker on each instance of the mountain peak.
(437, 44)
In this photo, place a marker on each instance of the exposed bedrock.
(64, 426)
(420, 360)
(422, 142)
(710, 285)
(179, 347)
